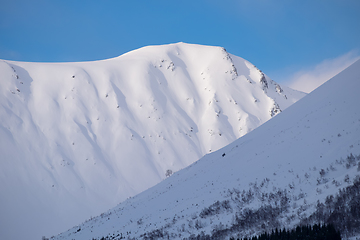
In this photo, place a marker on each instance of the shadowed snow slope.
(283, 166)
(78, 138)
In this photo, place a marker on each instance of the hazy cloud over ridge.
(308, 80)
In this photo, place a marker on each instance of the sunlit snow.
(78, 138)
(300, 152)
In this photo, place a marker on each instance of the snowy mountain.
(78, 138)
(285, 172)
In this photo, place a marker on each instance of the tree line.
(315, 232)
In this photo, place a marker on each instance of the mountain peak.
(78, 138)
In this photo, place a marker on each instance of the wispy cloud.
(308, 80)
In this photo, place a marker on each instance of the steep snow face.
(78, 138)
(285, 165)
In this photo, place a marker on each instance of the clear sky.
(287, 39)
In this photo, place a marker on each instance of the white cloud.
(308, 80)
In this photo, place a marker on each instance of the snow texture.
(78, 138)
(300, 154)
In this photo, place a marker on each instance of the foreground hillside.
(286, 172)
(78, 138)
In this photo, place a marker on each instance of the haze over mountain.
(78, 138)
(285, 172)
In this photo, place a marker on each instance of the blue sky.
(284, 38)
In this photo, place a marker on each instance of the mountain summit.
(78, 138)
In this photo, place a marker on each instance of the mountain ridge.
(78, 138)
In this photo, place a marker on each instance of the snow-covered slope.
(78, 138)
(271, 177)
